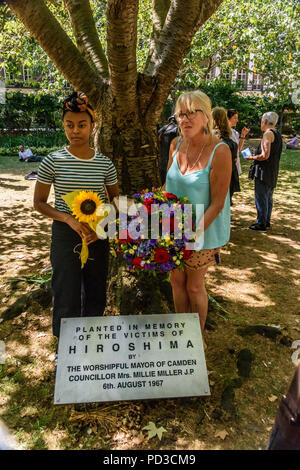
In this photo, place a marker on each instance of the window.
(242, 77)
(257, 82)
(26, 75)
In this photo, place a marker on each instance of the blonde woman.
(199, 168)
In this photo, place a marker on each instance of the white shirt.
(236, 138)
(26, 154)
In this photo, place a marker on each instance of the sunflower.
(85, 206)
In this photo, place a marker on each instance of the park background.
(245, 56)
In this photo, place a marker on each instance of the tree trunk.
(129, 294)
(131, 145)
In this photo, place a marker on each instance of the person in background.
(265, 170)
(233, 118)
(166, 134)
(224, 132)
(27, 155)
(293, 143)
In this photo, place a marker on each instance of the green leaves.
(267, 30)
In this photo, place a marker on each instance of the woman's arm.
(244, 132)
(112, 191)
(266, 143)
(41, 194)
(220, 176)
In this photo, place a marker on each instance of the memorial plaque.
(132, 357)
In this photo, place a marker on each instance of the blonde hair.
(192, 100)
(221, 121)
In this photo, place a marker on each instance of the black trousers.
(76, 292)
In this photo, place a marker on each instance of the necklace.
(197, 159)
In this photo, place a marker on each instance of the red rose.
(161, 255)
(170, 196)
(187, 254)
(147, 204)
(137, 262)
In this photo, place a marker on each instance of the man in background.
(27, 155)
(265, 170)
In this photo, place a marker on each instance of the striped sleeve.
(46, 171)
(111, 175)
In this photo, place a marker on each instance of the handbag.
(288, 415)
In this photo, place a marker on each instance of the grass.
(256, 283)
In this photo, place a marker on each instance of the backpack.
(166, 134)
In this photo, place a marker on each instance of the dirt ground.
(256, 283)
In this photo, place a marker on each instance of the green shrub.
(11, 142)
(30, 110)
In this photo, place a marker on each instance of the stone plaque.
(132, 357)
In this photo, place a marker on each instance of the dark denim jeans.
(263, 202)
(76, 292)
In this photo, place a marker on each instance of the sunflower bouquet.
(84, 205)
(166, 251)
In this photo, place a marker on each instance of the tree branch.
(86, 35)
(121, 51)
(183, 20)
(44, 27)
(160, 10)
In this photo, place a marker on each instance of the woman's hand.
(91, 238)
(244, 132)
(82, 229)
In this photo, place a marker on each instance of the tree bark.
(44, 27)
(84, 29)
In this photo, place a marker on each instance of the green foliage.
(258, 36)
(40, 143)
(30, 110)
(250, 107)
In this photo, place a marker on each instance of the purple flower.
(128, 258)
(150, 267)
(148, 196)
(179, 243)
(168, 266)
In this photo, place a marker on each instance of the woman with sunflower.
(77, 169)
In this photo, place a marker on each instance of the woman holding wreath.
(76, 292)
(199, 168)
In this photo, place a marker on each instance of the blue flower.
(144, 248)
(148, 195)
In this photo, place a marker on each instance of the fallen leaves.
(272, 398)
(154, 431)
(222, 434)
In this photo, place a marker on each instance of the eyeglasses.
(189, 115)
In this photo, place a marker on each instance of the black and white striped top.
(68, 173)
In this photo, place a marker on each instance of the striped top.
(68, 173)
